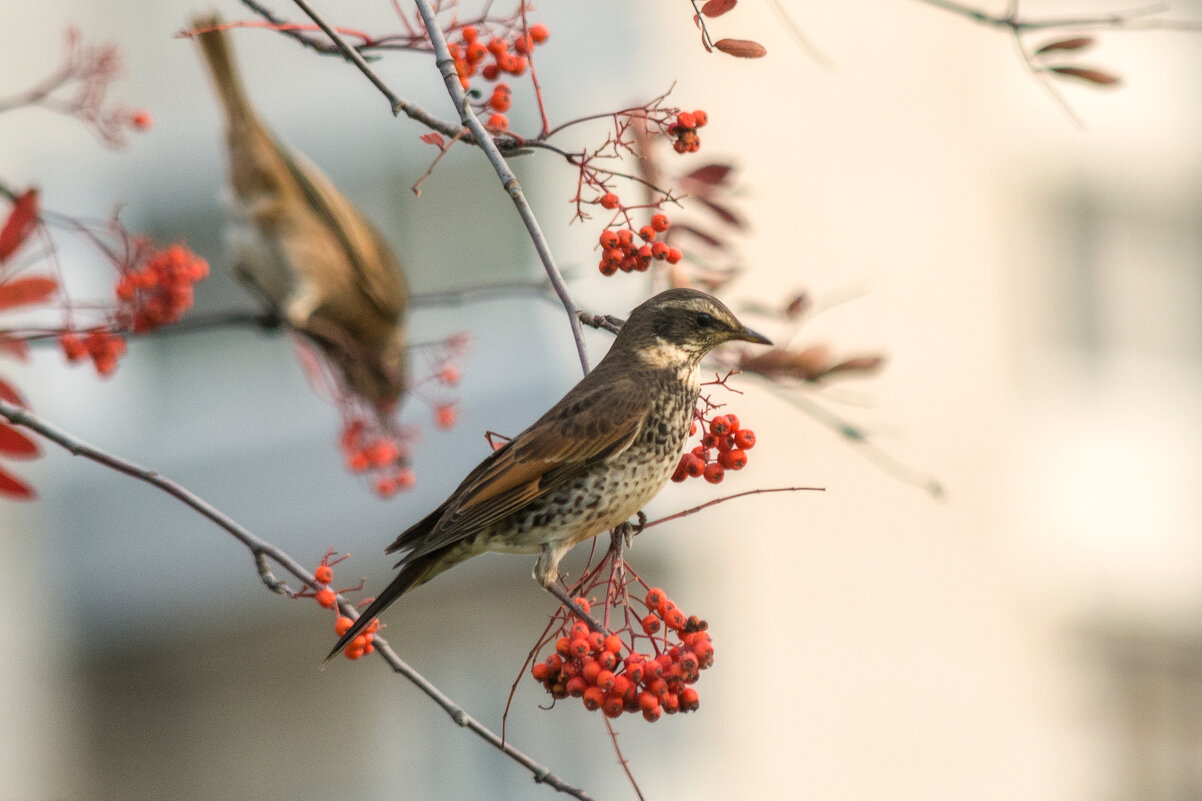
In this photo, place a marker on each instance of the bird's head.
(679, 326)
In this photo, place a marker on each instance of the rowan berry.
(324, 574)
(593, 698)
(608, 239)
(325, 597)
(613, 705)
(720, 426)
(695, 466)
(613, 644)
(647, 233)
(655, 598)
(608, 660)
(576, 686)
(700, 118)
(539, 33)
(674, 255)
(590, 670)
(499, 121)
(609, 201)
(660, 222)
(689, 700)
(563, 646)
(596, 641)
(342, 625)
(714, 472)
(745, 439)
(578, 631)
(675, 618)
(605, 680)
(733, 460)
(686, 120)
(468, 32)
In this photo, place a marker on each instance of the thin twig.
(261, 551)
(725, 498)
(446, 65)
(613, 735)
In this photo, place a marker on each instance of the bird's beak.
(747, 335)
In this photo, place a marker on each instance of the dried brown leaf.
(741, 48)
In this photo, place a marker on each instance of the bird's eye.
(704, 320)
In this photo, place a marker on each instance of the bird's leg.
(546, 571)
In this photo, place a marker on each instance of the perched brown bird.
(586, 465)
(305, 250)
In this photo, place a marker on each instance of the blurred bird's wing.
(579, 432)
(377, 272)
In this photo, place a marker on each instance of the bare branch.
(262, 551)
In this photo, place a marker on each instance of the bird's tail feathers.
(219, 56)
(413, 572)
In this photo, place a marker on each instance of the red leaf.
(1065, 44)
(741, 48)
(723, 212)
(9, 393)
(716, 8)
(1087, 74)
(434, 138)
(683, 228)
(26, 291)
(20, 223)
(14, 443)
(710, 173)
(15, 488)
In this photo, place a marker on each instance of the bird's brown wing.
(577, 434)
(377, 273)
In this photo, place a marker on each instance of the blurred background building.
(1036, 634)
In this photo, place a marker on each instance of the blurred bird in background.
(301, 246)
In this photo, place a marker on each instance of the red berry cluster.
(626, 250)
(685, 130)
(327, 597)
(723, 447)
(589, 665)
(471, 53)
(160, 291)
(102, 346)
(362, 644)
(368, 449)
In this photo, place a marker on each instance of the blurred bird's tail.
(219, 56)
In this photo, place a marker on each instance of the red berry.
(444, 416)
(562, 646)
(490, 72)
(578, 631)
(613, 644)
(468, 32)
(660, 222)
(605, 680)
(539, 32)
(612, 705)
(497, 46)
(745, 439)
(578, 649)
(141, 120)
(540, 671)
(593, 698)
(342, 625)
(734, 422)
(608, 660)
(689, 700)
(647, 701)
(653, 714)
(714, 472)
(695, 466)
(609, 201)
(324, 574)
(325, 597)
(576, 686)
(675, 618)
(733, 460)
(608, 239)
(499, 121)
(674, 255)
(700, 118)
(596, 641)
(720, 426)
(647, 233)
(686, 120)
(655, 598)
